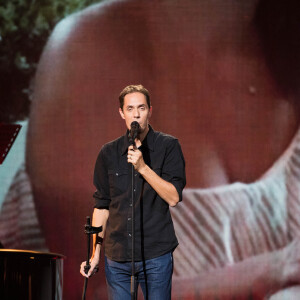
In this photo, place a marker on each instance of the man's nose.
(136, 113)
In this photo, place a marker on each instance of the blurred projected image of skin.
(224, 77)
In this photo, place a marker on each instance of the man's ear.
(150, 111)
(121, 113)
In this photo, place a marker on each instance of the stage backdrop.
(223, 78)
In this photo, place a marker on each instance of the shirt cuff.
(178, 187)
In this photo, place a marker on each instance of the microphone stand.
(133, 278)
(133, 134)
(88, 230)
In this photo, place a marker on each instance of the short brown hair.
(134, 89)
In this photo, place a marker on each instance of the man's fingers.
(88, 270)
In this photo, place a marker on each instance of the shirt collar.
(148, 141)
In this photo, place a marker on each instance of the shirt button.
(117, 174)
(134, 190)
(129, 219)
(129, 234)
(130, 204)
(135, 174)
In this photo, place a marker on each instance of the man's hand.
(135, 157)
(92, 270)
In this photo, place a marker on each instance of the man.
(159, 178)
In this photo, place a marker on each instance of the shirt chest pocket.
(118, 182)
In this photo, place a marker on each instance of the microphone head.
(135, 125)
(134, 131)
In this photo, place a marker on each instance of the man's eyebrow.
(140, 105)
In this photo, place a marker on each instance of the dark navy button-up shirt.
(154, 231)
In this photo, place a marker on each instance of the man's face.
(136, 109)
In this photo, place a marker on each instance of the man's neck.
(142, 136)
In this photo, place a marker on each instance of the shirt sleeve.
(173, 169)
(101, 182)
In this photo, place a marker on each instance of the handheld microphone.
(134, 131)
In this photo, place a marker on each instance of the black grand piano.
(30, 275)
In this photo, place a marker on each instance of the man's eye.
(142, 108)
